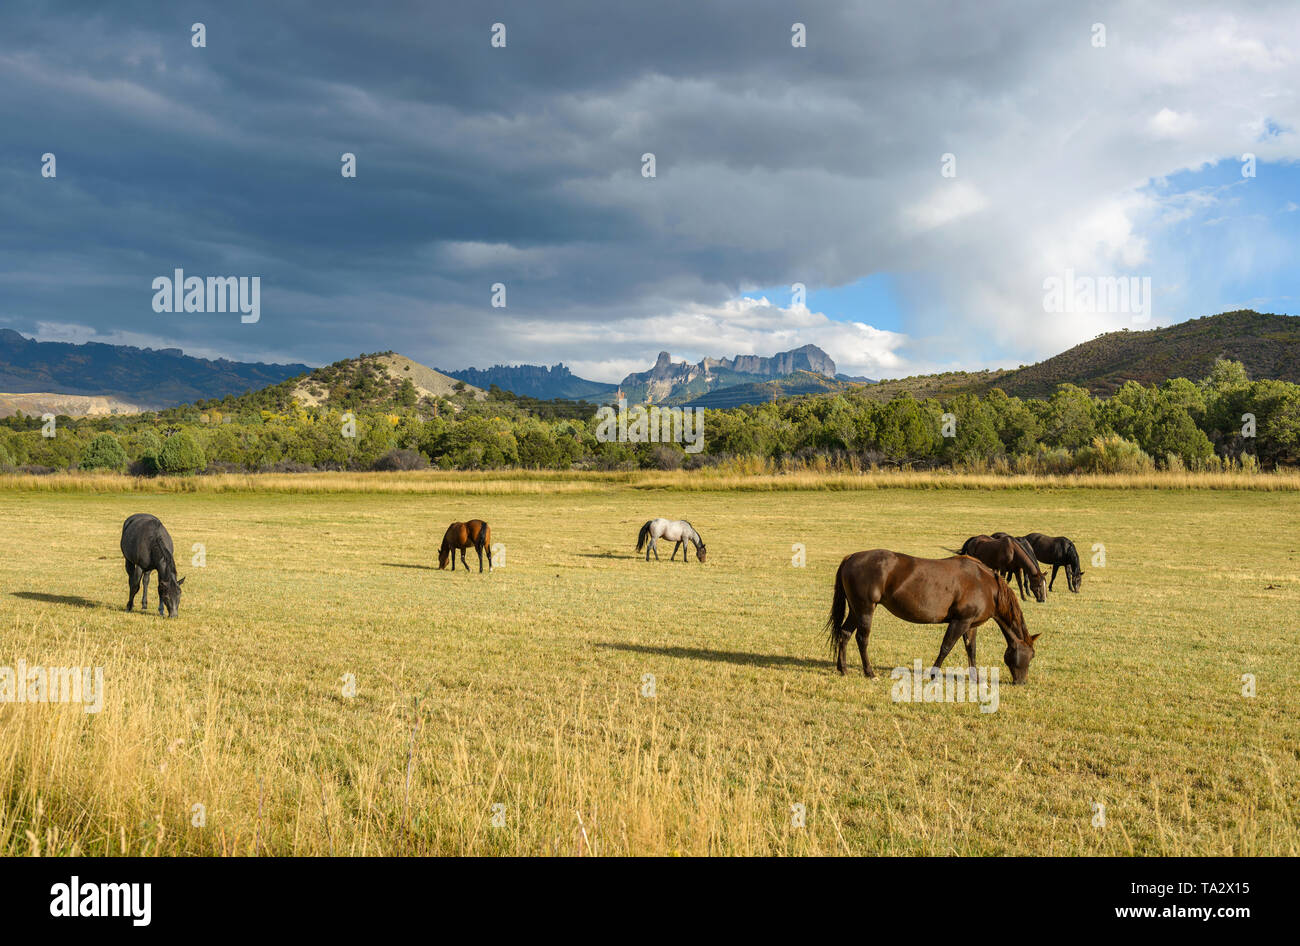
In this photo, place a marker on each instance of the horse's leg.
(842, 635)
(864, 631)
(1053, 581)
(675, 546)
(144, 589)
(479, 549)
(1020, 582)
(463, 562)
(970, 653)
(955, 630)
(133, 577)
(655, 547)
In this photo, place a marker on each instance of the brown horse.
(958, 591)
(463, 535)
(1005, 556)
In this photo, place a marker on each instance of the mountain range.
(97, 378)
(147, 378)
(669, 382)
(536, 381)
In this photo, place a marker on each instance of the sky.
(923, 170)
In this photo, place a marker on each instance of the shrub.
(103, 453)
(222, 466)
(1113, 454)
(180, 454)
(395, 460)
(662, 457)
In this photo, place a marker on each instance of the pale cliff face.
(666, 373)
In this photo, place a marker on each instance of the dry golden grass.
(523, 688)
(519, 482)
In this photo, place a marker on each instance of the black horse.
(147, 547)
(1059, 552)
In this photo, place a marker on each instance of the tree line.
(1224, 421)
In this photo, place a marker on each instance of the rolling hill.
(1268, 345)
(366, 382)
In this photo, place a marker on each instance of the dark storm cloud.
(521, 165)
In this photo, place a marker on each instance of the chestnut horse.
(1006, 557)
(960, 592)
(463, 535)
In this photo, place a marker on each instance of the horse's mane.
(1008, 605)
(1022, 557)
(161, 556)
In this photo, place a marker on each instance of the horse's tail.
(839, 608)
(643, 535)
(481, 539)
(960, 551)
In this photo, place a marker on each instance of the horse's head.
(1017, 656)
(169, 595)
(700, 551)
(1038, 585)
(1020, 643)
(1076, 579)
(443, 555)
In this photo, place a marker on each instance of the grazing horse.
(147, 547)
(1006, 557)
(1024, 544)
(679, 531)
(461, 536)
(1020, 541)
(1059, 552)
(958, 591)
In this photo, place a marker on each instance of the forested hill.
(1268, 345)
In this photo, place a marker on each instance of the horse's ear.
(1034, 637)
(181, 581)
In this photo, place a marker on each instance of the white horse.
(679, 531)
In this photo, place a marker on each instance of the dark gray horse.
(147, 547)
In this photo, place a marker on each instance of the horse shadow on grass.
(74, 601)
(721, 656)
(427, 568)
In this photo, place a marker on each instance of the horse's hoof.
(869, 674)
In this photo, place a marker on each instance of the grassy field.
(524, 689)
